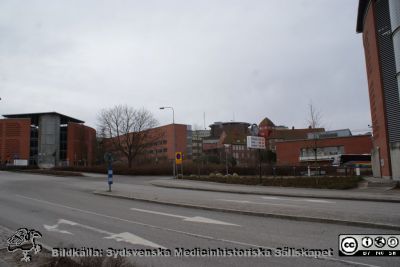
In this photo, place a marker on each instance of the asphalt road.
(68, 215)
(347, 210)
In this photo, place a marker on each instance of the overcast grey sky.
(241, 60)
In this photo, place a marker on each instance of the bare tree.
(315, 117)
(315, 121)
(127, 130)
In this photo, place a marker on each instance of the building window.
(322, 151)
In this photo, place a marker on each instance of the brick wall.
(288, 152)
(14, 139)
(376, 97)
(167, 133)
(81, 143)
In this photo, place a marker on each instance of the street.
(68, 214)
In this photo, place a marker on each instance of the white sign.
(20, 162)
(255, 142)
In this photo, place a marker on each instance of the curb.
(261, 214)
(277, 194)
(46, 174)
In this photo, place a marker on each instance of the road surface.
(69, 215)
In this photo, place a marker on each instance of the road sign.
(257, 142)
(108, 157)
(178, 157)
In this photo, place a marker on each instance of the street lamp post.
(226, 158)
(174, 144)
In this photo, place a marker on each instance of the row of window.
(158, 143)
(309, 152)
(238, 155)
(155, 151)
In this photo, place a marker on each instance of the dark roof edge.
(362, 11)
(24, 115)
(229, 122)
(325, 138)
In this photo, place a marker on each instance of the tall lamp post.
(226, 157)
(174, 144)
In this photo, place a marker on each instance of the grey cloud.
(248, 58)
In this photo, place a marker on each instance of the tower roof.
(267, 122)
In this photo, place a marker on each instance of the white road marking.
(133, 239)
(271, 197)
(197, 219)
(94, 229)
(124, 237)
(300, 199)
(182, 232)
(319, 201)
(54, 228)
(258, 203)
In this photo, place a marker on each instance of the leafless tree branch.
(127, 129)
(314, 116)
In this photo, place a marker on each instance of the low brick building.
(302, 152)
(274, 134)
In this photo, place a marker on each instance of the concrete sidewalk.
(379, 194)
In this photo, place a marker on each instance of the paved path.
(369, 194)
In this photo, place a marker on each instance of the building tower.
(379, 21)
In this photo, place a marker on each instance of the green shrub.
(329, 182)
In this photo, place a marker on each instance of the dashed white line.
(300, 199)
(257, 203)
(320, 201)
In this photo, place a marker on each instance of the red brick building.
(229, 140)
(46, 139)
(163, 149)
(158, 144)
(81, 143)
(379, 23)
(302, 152)
(14, 139)
(273, 134)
